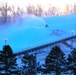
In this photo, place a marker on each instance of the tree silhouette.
(9, 60)
(4, 9)
(35, 10)
(29, 66)
(55, 61)
(71, 61)
(1, 62)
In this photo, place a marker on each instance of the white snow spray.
(25, 29)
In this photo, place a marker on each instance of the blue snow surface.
(29, 31)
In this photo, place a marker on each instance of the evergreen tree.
(29, 66)
(71, 61)
(9, 61)
(55, 61)
(42, 69)
(1, 62)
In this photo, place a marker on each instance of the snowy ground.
(30, 31)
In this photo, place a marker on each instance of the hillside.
(31, 31)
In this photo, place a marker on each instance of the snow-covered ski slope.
(31, 31)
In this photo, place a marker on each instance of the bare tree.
(35, 10)
(5, 9)
(74, 9)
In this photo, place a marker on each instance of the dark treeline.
(55, 62)
(11, 13)
(9, 65)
